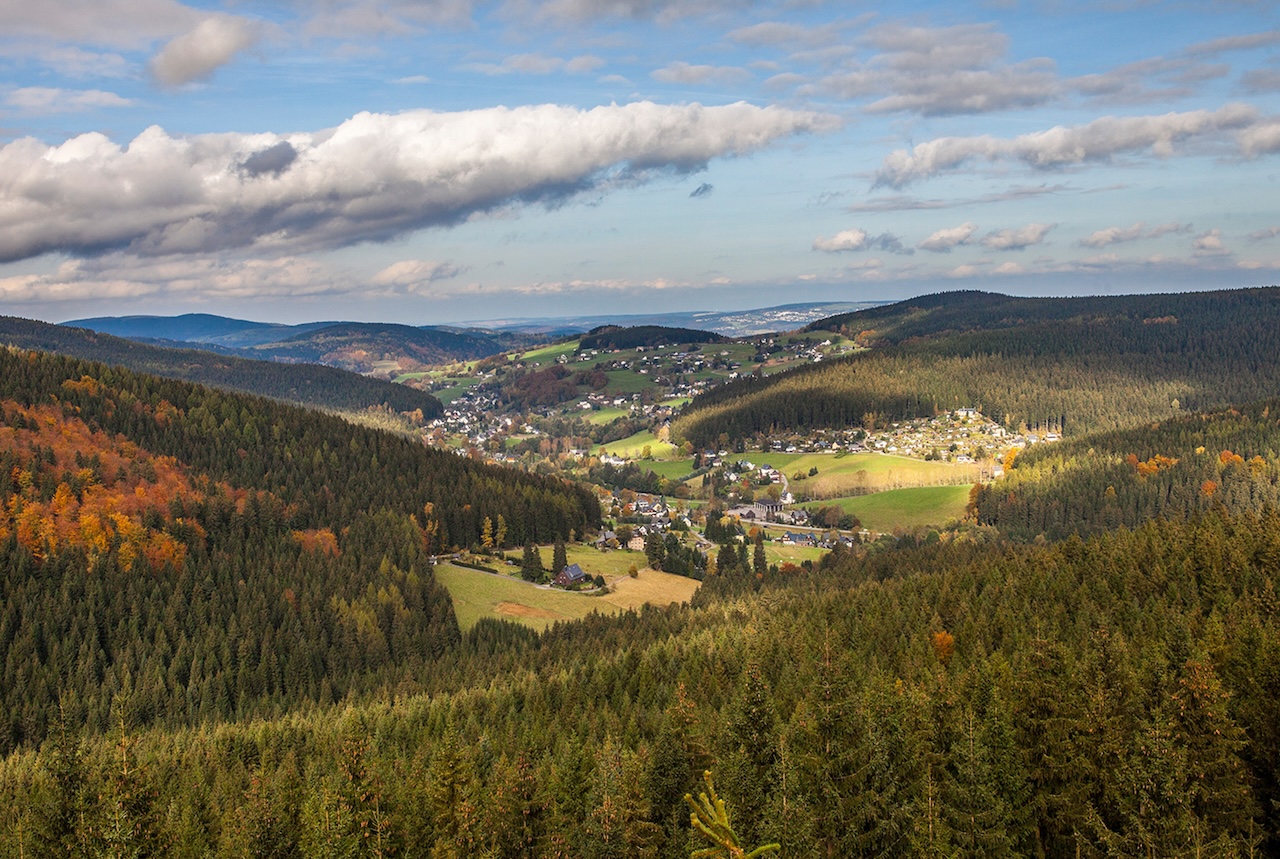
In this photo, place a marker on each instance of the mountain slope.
(312, 385)
(1080, 364)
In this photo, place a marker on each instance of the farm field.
(907, 508)
(604, 416)
(549, 353)
(876, 472)
(478, 594)
(632, 447)
(672, 469)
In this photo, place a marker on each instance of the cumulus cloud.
(413, 274)
(937, 71)
(39, 99)
(703, 190)
(1113, 235)
(1262, 139)
(859, 240)
(1264, 234)
(1209, 244)
(683, 73)
(949, 237)
(845, 240)
(198, 53)
(1063, 146)
(1116, 235)
(1017, 238)
(373, 178)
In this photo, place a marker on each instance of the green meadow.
(906, 508)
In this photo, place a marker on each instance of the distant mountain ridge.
(731, 323)
(308, 384)
(363, 347)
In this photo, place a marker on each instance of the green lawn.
(905, 508)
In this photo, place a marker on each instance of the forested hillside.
(1175, 469)
(361, 346)
(1087, 364)
(1105, 698)
(618, 337)
(190, 555)
(309, 384)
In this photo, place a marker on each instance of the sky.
(437, 161)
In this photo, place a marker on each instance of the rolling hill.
(308, 384)
(1079, 365)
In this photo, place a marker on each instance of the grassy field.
(632, 447)
(672, 469)
(875, 472)
(604, 416)
(549, 353)
(478, 594)
(907, 508)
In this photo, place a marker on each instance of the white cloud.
(198, 53)
(1260, 81)
(123, 276)
(949, 237)
(375, 177)
(684, 73)
(70, 60)
(777, 33)
(538, 64)
(845, 240)
(658, 10)
(1262, 139)
(937, 71)
(119, 23)
(414, 273)
(1246, 42)
(413, 79)
(1114, 235)
(1209, 244)
(1062, 146)
(1017, 239)
(38, 99)
(1264, 234)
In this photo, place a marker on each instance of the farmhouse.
(569, 576)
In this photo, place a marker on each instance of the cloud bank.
(372, 178)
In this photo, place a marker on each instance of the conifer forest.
(224, 632)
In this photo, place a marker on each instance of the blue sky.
(446, 160)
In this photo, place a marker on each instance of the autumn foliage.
(63, 484)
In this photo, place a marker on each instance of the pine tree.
(531, 564)
(559, 556)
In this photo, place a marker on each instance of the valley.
(884, 552)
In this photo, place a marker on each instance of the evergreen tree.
(531, 564)
(559, 557)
